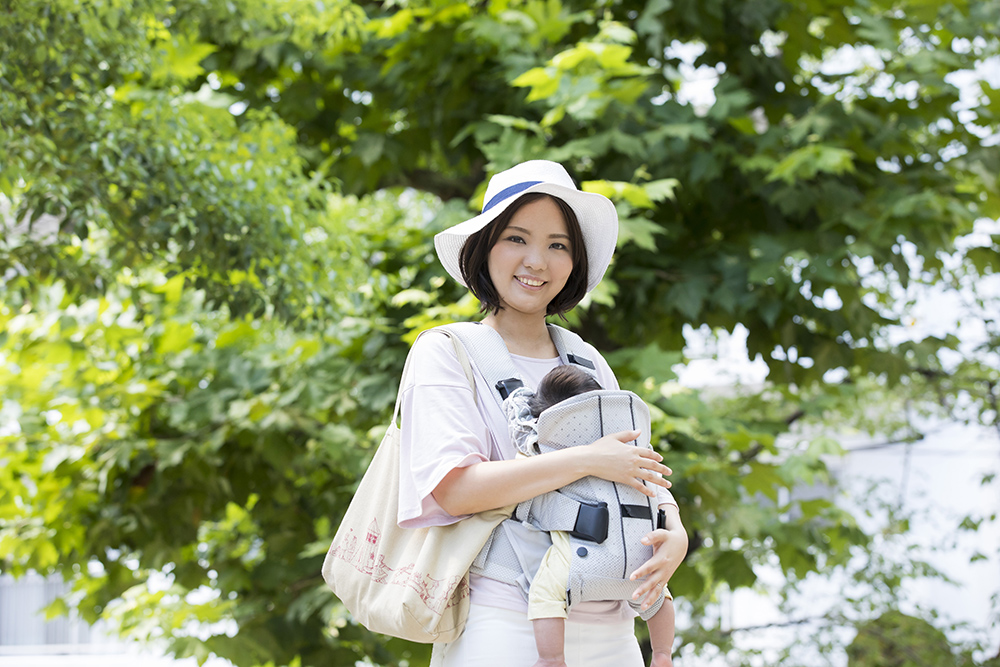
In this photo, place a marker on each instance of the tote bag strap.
(463, 359)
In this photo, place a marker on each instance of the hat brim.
(595, 213)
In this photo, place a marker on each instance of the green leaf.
(543, 84)
(763, 478)
(640, 231)
(172, 288)
(183, 59)
(652, 361)
(369, 148)
(688, 296)
(806, 162)
(732, 567)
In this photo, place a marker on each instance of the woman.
(537, 248)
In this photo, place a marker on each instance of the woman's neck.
(526, 337)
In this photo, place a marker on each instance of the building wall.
(22, 619)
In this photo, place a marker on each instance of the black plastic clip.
(507, 386)
(591, 523)
(581, 361)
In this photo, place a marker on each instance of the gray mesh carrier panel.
(601, 571)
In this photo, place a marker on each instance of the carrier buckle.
(591, 523)
(505, 387)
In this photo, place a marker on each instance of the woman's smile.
(527, 281)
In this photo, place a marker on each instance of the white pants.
(502, 638)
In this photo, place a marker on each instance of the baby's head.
(560, 383)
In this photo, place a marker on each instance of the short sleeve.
(441, 429)
(664, 497)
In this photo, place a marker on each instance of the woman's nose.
(534, 258)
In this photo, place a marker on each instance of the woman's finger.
(654, 478)
(651, 595)
(653, 462)
(648, 592)
(626, 436)
(638, 485)
(651, 454)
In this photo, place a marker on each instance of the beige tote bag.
(411, 583)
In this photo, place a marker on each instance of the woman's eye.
(559, 246)
(515, 239)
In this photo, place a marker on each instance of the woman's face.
(532, 260)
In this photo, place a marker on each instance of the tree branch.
(781, 624)
(438, 184)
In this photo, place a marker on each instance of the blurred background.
(217, 248)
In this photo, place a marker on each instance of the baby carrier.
(605, 520)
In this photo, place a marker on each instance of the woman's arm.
(669, 549)
(491, 484)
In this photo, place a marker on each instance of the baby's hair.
(560, 383)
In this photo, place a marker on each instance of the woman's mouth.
(529, 282)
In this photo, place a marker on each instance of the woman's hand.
(669, 548)
(611, 459)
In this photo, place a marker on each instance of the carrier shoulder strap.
(571, 348)
(490, 355)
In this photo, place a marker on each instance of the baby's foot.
(661, 660)
(551, 662)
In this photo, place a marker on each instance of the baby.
(547, 608)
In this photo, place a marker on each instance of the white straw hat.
(595, 213)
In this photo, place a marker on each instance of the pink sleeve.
(664, 497)
(441, 429)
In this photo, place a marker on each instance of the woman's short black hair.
(474, 259)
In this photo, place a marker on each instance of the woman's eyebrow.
(526, 232)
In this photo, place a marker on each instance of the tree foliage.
(200, 356)
(898, 640)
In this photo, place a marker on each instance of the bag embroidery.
(437, 594)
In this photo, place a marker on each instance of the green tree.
(898, 640)
(199, 361)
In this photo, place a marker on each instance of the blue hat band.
(508, 192)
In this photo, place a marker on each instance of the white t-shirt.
(442, 428)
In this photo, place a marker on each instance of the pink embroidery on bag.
(365, 557)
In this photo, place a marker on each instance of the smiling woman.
(537, 248)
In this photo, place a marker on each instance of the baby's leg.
(550, 640)
(547, 603)
(661, 634)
